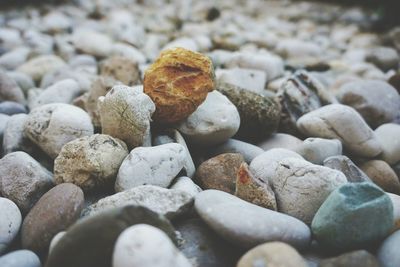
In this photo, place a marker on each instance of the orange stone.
(178, 82)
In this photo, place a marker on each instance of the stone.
(23, 80)
(387, 136)
(3, 123)
(353, 216)
(55, 240)
(219, 172)
(281, 140)
(358, 258)
(388, 255)
(168, 202)
(55, 211)
(254, 190)
(385, 58)
(9, 89)
(13, 136)
(396, 210)
(125, 113)
(259, 114)
(10, 222)
(157, 165)
(247, 150)
(248, 225)
(249, 79)
(37, 67)
(63, 91)
(187, 185)
(341, 122)
(20, 258)
(14, 58)
(90, 162)
(121, 69)
(213, 122)
(263, 166)
(382, 175)
(316, 150)
(129, 51)
(377, 101)
(85, 63)
(23, 179)
(11, 108)
(178, 82)
(272, 254)
(90, 241)
(51, 126)
(147, 246)
(92, 42)
(82, 77)
(347, 167)
(301, 187)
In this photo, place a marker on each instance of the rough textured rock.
(316, 150)
(125, 113)
(10, 222)
(358, 258)
(121, 69)
(343, 123)
(347, 167)
(157, 165)
(20, 258)
(90, 162)
(387, 135)
(178, 82)
(388, 253)
(382, 175)
(51, 126)
(55, 211)
(168, 202)
(219, 172)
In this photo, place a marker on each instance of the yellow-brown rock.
(178, 82)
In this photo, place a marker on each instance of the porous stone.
(10, 222)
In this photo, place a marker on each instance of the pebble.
(281, 140)
(13, 136)
(91, 42)
(259, 114)
(213, 122)
(385, 58)
(187, 185)
(82, 77)
(347, 167)
(37, 67)
(254, 190)
(377, 101)
(357, 258)
(387, 136)
(23, 179)
(219, 172)
(162, 82)
(125, 113)
(157, 165)
(14, 58)
(90, 241)
(3, 123)
(249, 79)
(55, 211)
(11, 108)
(90, 162)
(9, 89)
(396, 210)
(20, 258)
(51, 126)
(354, 216)
(343, 123)
(168, 202)
(301, 187)
(316, 150)
(272, 254)
(247, 150)
(388, 254)
(121, 69)
(23, 80)
(246, 224)
(146, 246)
(10, 222)
(382, 175)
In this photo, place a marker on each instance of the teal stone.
(354, 216)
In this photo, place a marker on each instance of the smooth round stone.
(55, 240)
(23, 179)
(90, 162)
(273, 254)
(11, 108)
(157, 165)
(358, 258)
(146, 246)
(121, 69)
(281, 140)
(187, 185)
(92, 42)
(316, 150)
(168, 202)
(55, 211)
(219, 172)
(203, 248)
(248, 225)
(382, 175)
(83, 62)
(20, 258)
(385, 58)
(13, 136)
(377, 101)
(10, 222)
(388, 253)
(37, 67)
(12, 59)
(90, 241)
(9, 89)
(387, 135)
(396, 210)
(125, 113)
(347, 167)
(23, 80)
(341, 122)
(3, 123)
(213, 122)
(249, 79)
(82, 77)
(51, 126)
(247, 150)
(355, 215)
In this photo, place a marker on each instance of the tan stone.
(382, 174)
(122, 69)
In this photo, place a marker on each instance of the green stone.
(354, 216)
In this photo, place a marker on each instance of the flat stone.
(20, 258)
(316, 150)
(348, 168)
(382, 175)
(246, 224)
(247, 150)
(358, 258)
(10, 222)
(388, 253)
(387, 135)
